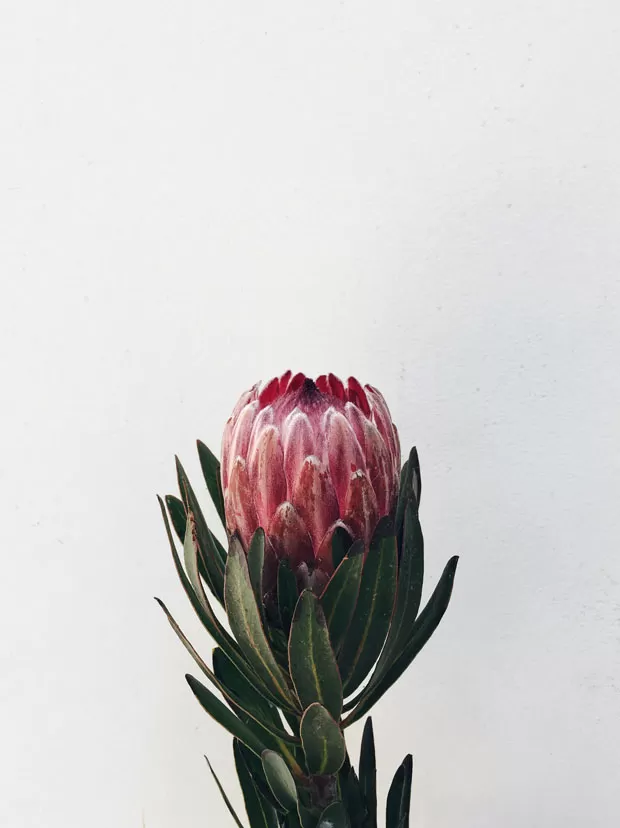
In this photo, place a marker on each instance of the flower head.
(301, 458)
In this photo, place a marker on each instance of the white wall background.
(195, 195)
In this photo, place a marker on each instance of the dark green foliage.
(368, 774)
(399, 796)
(224, 796)
(340, 595)
(312, 663)
(211, 470)
(260, 811)
(291, 658)
(371, 619)
(322, 741)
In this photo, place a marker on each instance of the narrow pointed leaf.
(399, 796)
(371, 619)
(201, 605)
(256, 562)
(408, 594)
(410, 487)
(312, 662)
(224, 716)
(190, 556)
(269, 728)
(210, 553)
(224, 797)
(352, 793)
(255, 711)
(292, 820)
(402, 497)
(340, 595)
(210, 466)
(322, 741)
(334, 816)
(242, 688)
(245, 622)
(287, 595)
(255, 767)
(424, 627)
(208, 618)
(260, 812)
(280, 779)
(368, 773)
(307, 818)
(178, 515)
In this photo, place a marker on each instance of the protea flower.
(301, 458)
(310, 481)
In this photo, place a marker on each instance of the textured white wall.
(196, 195)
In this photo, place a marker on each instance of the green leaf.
(408, 595)
(399, 796)
(241, 688)
(256, 562)
(190, 556)
(287, 595)
(410, 487)
(255, 767)
(368, 773)
(322, 741)
(201, 605)
(224, 797)
(352, 794)
(260, 812)
(210, 554)
(341, 545)
(334, 816)
(423, 628)
(177, 515)
(253, 714)
(210, 466)
(307, 818)
(245, 622)
(208, 618)
(340, 595)
(371, 619)
(255, 711)
(224, 716)
(312, 662)
(280, 779)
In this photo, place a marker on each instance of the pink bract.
(302, 457)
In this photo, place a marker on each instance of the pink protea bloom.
(302, 457)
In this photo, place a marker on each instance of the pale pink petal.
(289, 537)
(263, 420)
(360, 511)
(266, 465)
(226, 441)
(240, 512)
(244, 399)
(358, 423)
(315, 499)
(298, 439)
(381, 417)
(380, 468)
(241, 432)
(344, 454)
